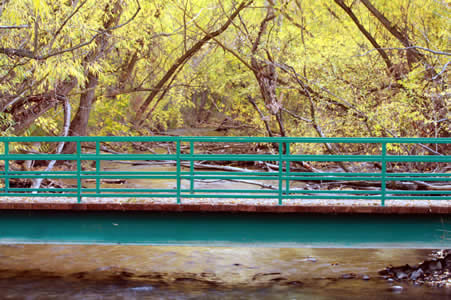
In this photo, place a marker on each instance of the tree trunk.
(413, 55)
(79, 124)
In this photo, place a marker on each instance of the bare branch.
(65, 22)
(129, 20)
(296, 116)
(445, 67)
(225, 48)
(6, 27)
(262, 116)
(408, 48)
(365, 32)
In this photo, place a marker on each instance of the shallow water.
(147, 272)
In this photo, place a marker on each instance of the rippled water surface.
(146, 272)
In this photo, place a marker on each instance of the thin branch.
(129, 20)
(6, 27)
(408, 48)
(262, 116)
(365, 32)
(65, 22)
(225, 48)
(29, 54)
(296, 116)
(445, 67)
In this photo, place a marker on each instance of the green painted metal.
(383, 174)
(281, 178)
(178, 172)
(191, 168)
(226, 229)
(6, 188)
(78, 172)
(280, 173)
(97, 168)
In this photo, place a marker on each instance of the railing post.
(287, 169)
(97, 168)
(178, 170)
(191, 167)
(78, 172)
(280, 172)
(383, 173)
(6, 167)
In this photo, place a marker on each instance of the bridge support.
(224, 226)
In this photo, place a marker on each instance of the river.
(149, 272)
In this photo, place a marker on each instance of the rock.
(295, 282)
(447, 260)
(401, 275)
(435, 265)
(348, 276)
(416, 274)
(366, 277)
(142, 288)
(385, 272)
(397, 288)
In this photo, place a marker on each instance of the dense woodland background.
(274, 67)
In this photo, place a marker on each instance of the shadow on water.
(145, 272)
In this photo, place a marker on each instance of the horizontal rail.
(184, 177)
(226, 139)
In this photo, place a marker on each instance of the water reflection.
(127, 272)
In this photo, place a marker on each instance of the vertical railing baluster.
(280, 172)
(287, 169)
(78, 172)
(191, 167)
(383, 173)
(6, 167)
(178, 170)
(97, 168)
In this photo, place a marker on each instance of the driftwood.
(252, 182)
(429, 186)
(370, 185)
(107, 180)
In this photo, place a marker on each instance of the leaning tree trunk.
(79, 124)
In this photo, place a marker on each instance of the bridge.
(396, 206)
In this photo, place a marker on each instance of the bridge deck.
(301, 209)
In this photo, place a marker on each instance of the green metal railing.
(284, 176)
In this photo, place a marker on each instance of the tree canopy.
(281, 67)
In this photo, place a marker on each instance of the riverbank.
(435, 272)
